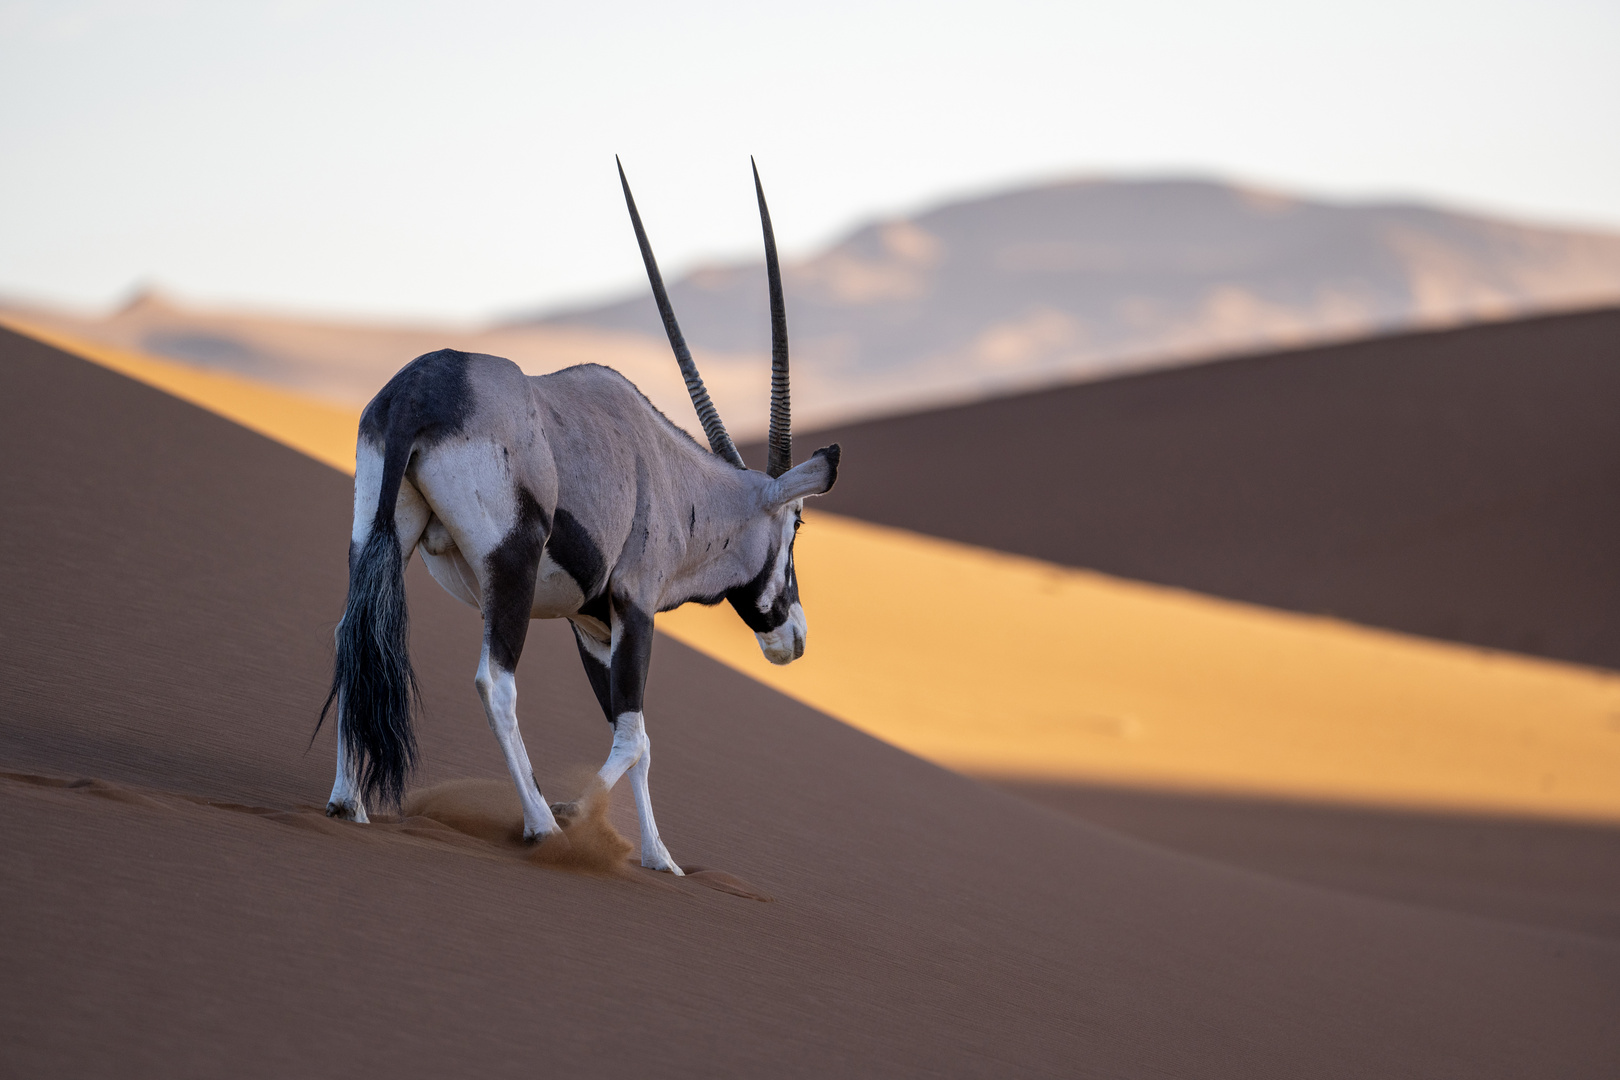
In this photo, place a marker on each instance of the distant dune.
(346, 362)
(1050, 284)
(1087, 278)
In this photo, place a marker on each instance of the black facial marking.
(572, 548)
(632, 654)
(691, 523)
(512, 567)
(745, 598)
(597, 673)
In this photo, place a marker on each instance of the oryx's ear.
(814, 477)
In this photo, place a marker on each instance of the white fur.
(654, 855)
(345, 800)
(786, 643)
(556, 593)
(629, 736)
(632, 753)
(454, 576)
(368, 467)
(498, 690)
(784, 552)
(469, 487)
(592, 633)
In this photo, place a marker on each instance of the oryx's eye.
(798, 519)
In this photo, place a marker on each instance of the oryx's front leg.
(629, 655)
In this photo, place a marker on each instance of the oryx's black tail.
(373, 683)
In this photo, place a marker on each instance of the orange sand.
(1011, 667)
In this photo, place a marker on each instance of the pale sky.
(455, 161)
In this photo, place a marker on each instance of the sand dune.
(1037, 672)
(1250, 735)
(165, 620)
(1455, 485)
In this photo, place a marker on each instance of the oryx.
(557, 496)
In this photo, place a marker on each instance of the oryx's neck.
(725, 518)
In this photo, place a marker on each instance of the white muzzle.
(785, 644)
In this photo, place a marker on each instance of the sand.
(1287, 782)
(165, 622)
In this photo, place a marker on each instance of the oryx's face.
(769, 603)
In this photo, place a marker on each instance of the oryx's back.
(572, 470)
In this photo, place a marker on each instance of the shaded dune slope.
(170, 590)
(1461, 484)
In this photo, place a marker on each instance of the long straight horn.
(708, 415)
(781, 437)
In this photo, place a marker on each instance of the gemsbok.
(566, 496)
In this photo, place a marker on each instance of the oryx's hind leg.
(345, 801)
(508, 606)
(618, 673)
(411, 515)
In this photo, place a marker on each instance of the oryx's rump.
(422, 415)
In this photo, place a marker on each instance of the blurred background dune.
(1037, 285)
